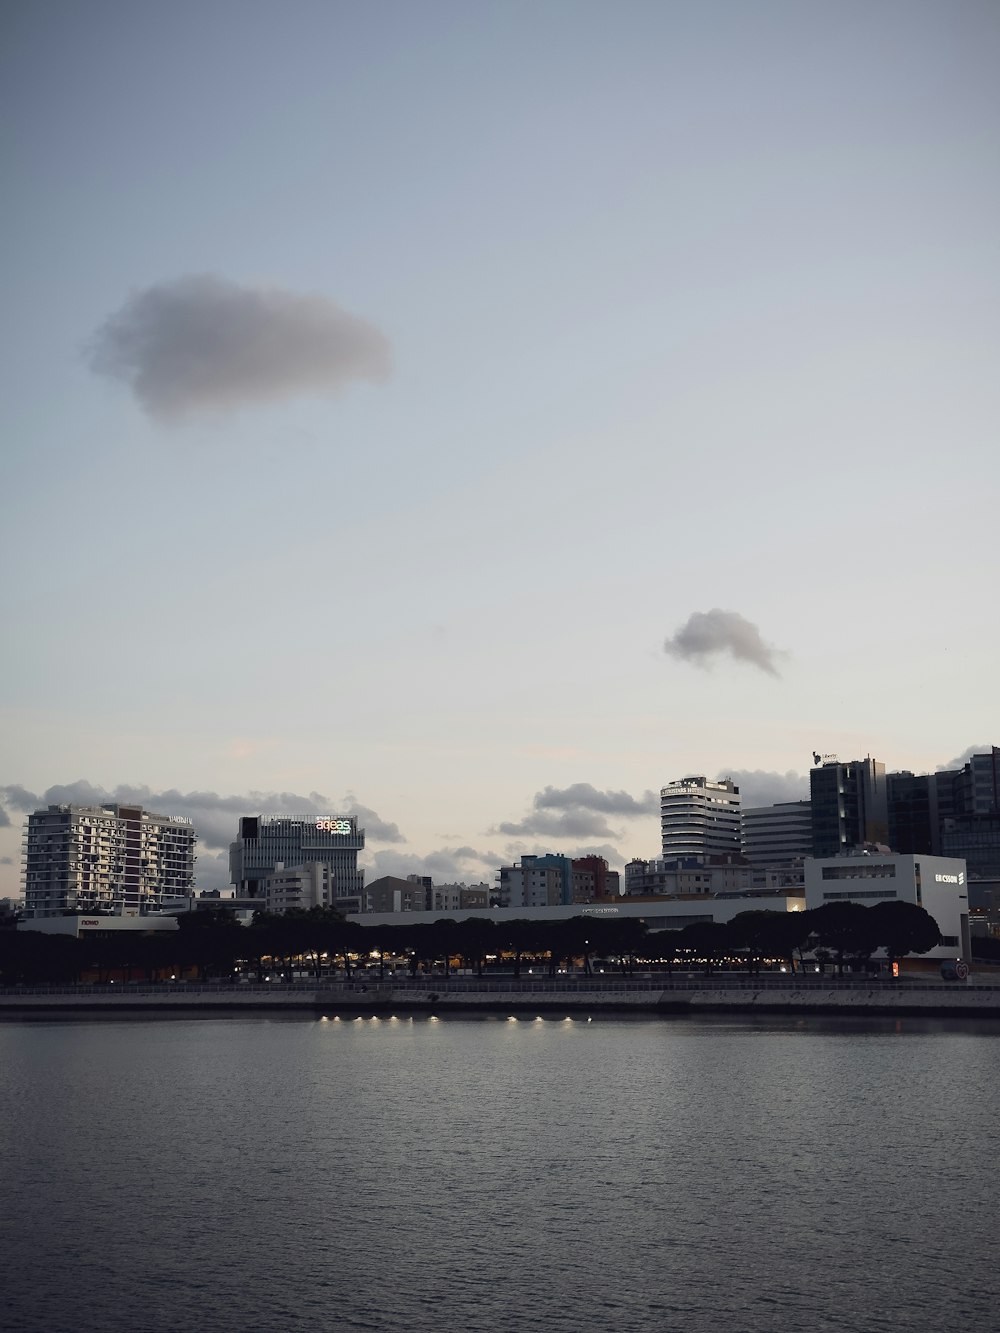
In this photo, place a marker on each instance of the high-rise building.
(699, 818)
(266, 842)
(914, 821)
(774, 835)
(969, 810)
(849, 805)
(100, 859)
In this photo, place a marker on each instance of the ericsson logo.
(950, 879)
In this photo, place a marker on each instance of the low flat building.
(98, 927)
(658, 913)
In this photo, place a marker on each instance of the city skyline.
(558, 821)
(483, 416)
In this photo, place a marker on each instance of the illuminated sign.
(333, 825)
(950, 879)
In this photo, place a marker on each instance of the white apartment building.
(105, 859)
(936, 883)
(698, 876)
(530, 885)
(699, 818)
(304, 887)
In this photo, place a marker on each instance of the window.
(859, 893)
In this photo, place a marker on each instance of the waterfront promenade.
(721, 993)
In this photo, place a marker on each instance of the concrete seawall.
(512, 996)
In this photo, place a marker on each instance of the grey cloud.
(19, 798)
(568, 824)
(376, 829)
(6, 860)
(707, 634)
(212, 871)
(204, 342)
(215, 818)
(961, 760)
(513, 851)
(4, 818)
(582, 796)
(444, 866)
(578, 811)
(760, 787)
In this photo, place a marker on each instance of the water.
(485, 1174)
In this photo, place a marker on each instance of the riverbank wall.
(518, 997)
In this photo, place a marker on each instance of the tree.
(706, 939)
(903, 928)
(623, 938)
(476, 936)
(782, 933)
(446, 940)
(207, 940)
(844, 928)
(579, 938)
(748, 933)
(518, 938)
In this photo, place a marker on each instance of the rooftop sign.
(326, 825)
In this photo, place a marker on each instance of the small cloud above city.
(707, 636)
(203, 343)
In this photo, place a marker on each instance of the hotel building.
(699, 818)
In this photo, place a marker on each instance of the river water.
(489, 1174)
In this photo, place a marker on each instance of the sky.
(478, 416)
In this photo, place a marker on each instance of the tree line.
(212, 944)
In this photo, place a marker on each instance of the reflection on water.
(501, 1173)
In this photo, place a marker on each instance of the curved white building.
(699, 818)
